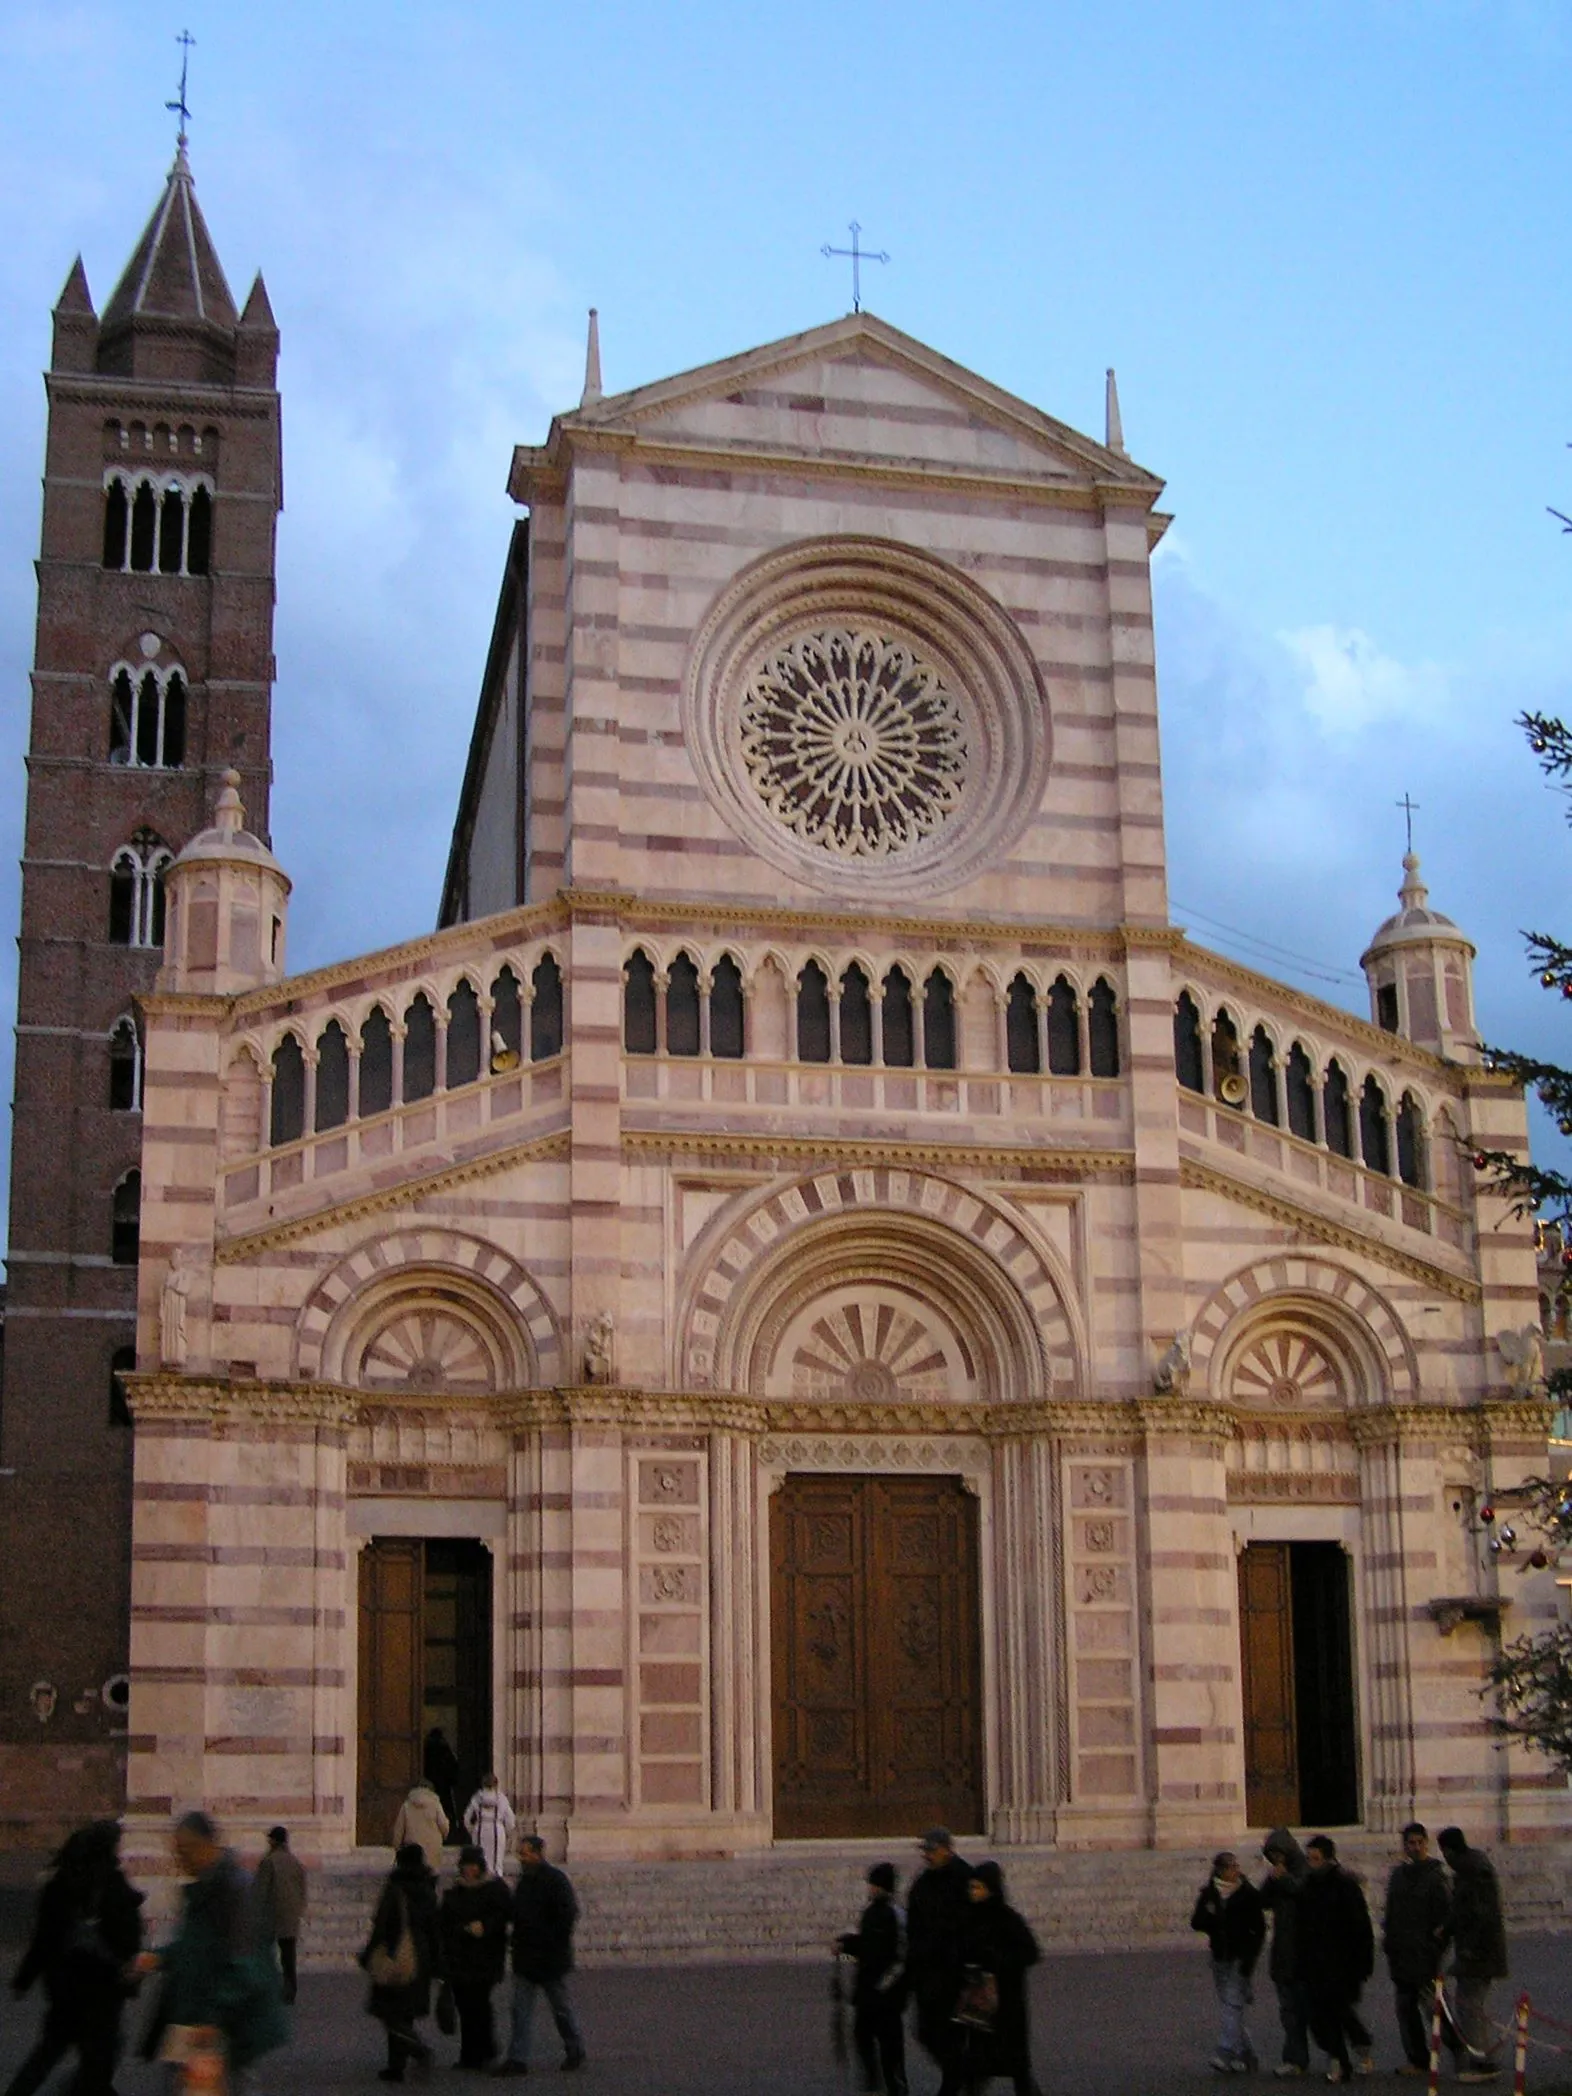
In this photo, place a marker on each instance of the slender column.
(706, 983)
(353, 1112)
(834, 996)
(440, 1083)
(308, 1116)
(398, 1031)
(876, 1020)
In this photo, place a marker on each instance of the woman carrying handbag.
(402, 1957)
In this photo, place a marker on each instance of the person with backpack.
(402, 1957)
(86, 1935)
(1228, 1912)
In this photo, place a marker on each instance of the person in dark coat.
(936, 1907)
(1414, 1935)
(406, 1908)
(440, 1767)
(216, 1975)
(1479, 1950)
(1279, 1891)
(475, 1915)
(1228, 1912)
(86, 1935)
(1334, 1952)
(544, 1914)
(878, 1943)
(995, 1939)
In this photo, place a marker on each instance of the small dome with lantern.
(226, 908)
(1419, 967)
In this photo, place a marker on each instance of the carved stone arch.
(1361, 1331)
(498, 1294)
(742, 1273)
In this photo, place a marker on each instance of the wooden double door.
(1296, 1650)
(876, 1656)
(425, 1663)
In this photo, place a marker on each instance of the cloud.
(1351, 683)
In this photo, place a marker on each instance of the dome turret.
(226, 907)
(1420, 970)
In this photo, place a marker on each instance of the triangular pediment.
(860, 390)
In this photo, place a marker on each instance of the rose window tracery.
(854, 743)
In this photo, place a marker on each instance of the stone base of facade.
(47, 1789)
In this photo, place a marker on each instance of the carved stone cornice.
(609, 1405)
(634, 911)
(964, 1160)
(166, 1395)
(1386, 1425)
(232, 1251)
(1184, 1418)
(1322, 1229)
(1517, 1418)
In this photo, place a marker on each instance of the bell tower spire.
(153, 669)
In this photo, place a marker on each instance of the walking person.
(215, 1974)
(997, 1944)
(878, 1944)
(440, 1767)
(1334, 1954)
(544, 1915)
(403, 1955)
(1414, 1935)
(1228, 1912)
(1479, 1951)
(935, 1911)
(86, 1934)
(279, 1889)
(475, 1915)
(1279, 1891)
(421, 1820)
(489, 1822)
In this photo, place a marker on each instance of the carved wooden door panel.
(392, 1681)
(876, 1656)
(1266, 1644)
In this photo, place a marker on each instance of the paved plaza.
(1131, 2024)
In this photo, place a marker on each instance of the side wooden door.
(1266, 1645)
(392, 1681)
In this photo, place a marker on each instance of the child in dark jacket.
(1229, 1914)
(879, 1946)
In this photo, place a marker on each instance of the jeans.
(1473, 2025)
(556, 1993)
(1235, 1995)
(880, 2038)
(1415, 2000)
(1293, 2006)
(477, 2033)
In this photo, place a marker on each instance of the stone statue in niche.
(600, 1351)
(1523, 1351)
(1173, 1370)
(172, 1311)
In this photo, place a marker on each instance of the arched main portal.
(894, 1324)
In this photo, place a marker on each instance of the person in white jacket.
(489, 1821)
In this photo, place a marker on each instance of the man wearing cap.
(935, 1915)
(879, 1945)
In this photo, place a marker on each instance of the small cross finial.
(186, 41)
(857, 254)
(1410, 810)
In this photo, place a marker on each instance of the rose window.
(853, 742)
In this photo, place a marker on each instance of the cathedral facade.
(806, 1307)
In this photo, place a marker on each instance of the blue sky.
(1325, 245)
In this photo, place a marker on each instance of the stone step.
(789, 1903)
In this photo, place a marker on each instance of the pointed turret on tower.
(1420, 970)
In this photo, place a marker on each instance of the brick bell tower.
(152, 675)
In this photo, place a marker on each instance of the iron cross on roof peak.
(178, 107)
(1410, 810)
(857, 254)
